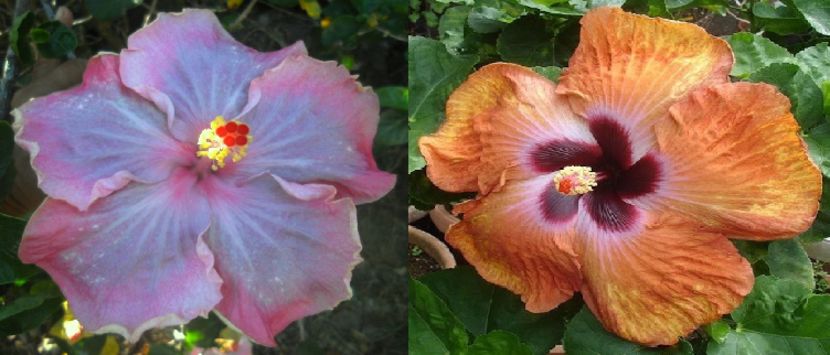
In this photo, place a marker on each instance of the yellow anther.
(575, 180)
(224, 139)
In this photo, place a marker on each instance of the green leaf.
(6, 147)
(527, 42)
(784, 307)
(484, 308)
(498, 342)
(31, 310)
(818, 145)
(424, 195)
(551, 72)
(753, 52)
(202, 332)
(780, 18)
(466, 293)
(755, 343)
(451, 27)
(821, 226)
(585, 335)
(106, 10)
(54, 39)
(817, 13)
(396, 97)
(788, 260)
(12, 270)
(433, 328)
(654, 8)
(392, 128)
(718, 330)
(805, 95)
(547, 8)
(433, 74)
(19, 37)
(490, 16)
(816, 61)
(750, 250)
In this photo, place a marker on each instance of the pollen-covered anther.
(575, 180)
(222, 140)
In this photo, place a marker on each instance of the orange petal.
(661, 284)
(736, 163)
(493, 122)
(633, 67)
(506, 237)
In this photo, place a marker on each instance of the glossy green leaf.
(817, 13)
(527, 42)
(551, 72)
(451, 27)
(818, 144)
(19, 37)
(784, 307)
(816, 61)
(788, 260)
(779, 18)
(424, 195)
(42, 303)
(718, 330)
(110, 9)
(806, 97)
(751, 250)
(433, 328)
(585, 335)
(821, 226)
(653, 8)
(392, 128)
(557, 7)
(484, 308)
(753, 52)
(12, 270)
(396, 97)
(756, 343)
(433, 74)
(6, 146)
(54, 39)
(489, 16)
(498, 342)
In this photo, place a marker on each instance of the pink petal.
(311, 122)
(90, 141)
(284, 251)
(193, 69)
(134, 260)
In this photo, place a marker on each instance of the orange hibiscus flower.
(624, 181)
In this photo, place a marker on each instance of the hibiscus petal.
(284, 251)
(311, 122)
(735, 162)
(631, 68)
(497, 121)
(664, 282)
(135, 260)
(510, 240)
(187, 63)
(90, 141)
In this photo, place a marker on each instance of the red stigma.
(241, 140)
(242, 129)
(221, 131)
(229, 141)
(231, 127)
